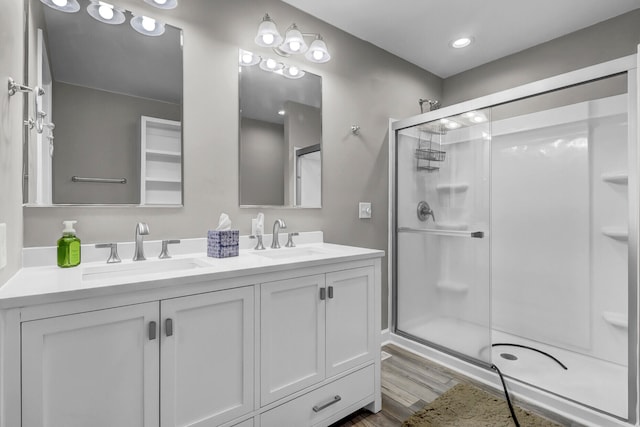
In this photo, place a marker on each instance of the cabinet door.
(292, 314)
(350, 319)
(207, 358)
(96, 369)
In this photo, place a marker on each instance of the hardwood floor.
(409, 382)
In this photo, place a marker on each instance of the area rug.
(467, 406)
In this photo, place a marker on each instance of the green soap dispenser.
(68, 246)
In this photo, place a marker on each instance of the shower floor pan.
(592, 382)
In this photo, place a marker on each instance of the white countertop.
(49, 283)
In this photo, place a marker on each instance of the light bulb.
(106, 11)
(282, 112)
(148, 24)
(160, 1)
(317, 55)
(247, 58)
(294, 46)
(268, 38)
(294, 71)
(271, 63)
(60, 3)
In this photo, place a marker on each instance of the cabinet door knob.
(152, 331)
(168, 327)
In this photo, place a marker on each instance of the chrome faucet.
(277, 225)
(142, 229)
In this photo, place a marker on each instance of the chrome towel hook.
(16, 87)
(355, 129)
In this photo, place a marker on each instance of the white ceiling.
(420, 31)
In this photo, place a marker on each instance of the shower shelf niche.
(616, 233)
(455, 188)
(618, 320)
(621, 178)
(454, 287)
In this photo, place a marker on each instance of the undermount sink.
(286, 253)
(137, 268)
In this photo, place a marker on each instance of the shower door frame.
(630, 65)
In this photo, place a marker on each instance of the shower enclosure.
(515, 237)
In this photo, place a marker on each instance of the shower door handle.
(443, 232)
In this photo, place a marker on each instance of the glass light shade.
(247, 58)
(268, 35)
(270, 64)
(293, 41)
(163, 4)
(292, 72)
(101, 12)
(318, 51)
(147, 26)
(68, 6)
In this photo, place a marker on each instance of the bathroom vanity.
(280, 337)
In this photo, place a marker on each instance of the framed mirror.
(106, 128)
(280, 135)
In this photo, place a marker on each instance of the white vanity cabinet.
(207, 358)
(266, 344)
(314, 328)
(96, 369)
(189, 359)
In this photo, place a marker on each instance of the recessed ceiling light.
(461, 42)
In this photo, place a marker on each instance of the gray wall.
(11, 65)
(601, 42)
(362, 85)
(97, 134)
(262, 152)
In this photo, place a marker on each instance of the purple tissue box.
(223, 244)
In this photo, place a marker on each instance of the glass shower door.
(442, 241)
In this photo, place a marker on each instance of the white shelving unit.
(160, 161)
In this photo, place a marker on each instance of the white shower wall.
(556, 267)
(556, 278)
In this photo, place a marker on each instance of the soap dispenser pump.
(68, 246)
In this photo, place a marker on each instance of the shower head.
(434, 104)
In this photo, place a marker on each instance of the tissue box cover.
(223, 244)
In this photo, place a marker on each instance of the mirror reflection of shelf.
(455, 287)
(161, 161)
(618, 320)
(621, 178)
(455, 188)
(616, 233)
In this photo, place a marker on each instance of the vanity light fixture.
(293, 42)
(147, 26)
(248, 58)
(163, 4)
(69, 6)
(318, 51)
(270, 64)
(292, 72)
(105, 12)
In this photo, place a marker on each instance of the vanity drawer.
(317, 405)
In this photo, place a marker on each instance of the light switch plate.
(3, 246)
(364, 210)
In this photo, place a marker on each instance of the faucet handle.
(165, 248)
(113, 255)
(259, 245)
(290, 243)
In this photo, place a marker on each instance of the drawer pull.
(168, 327)
(335, 400)
(152, 331)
